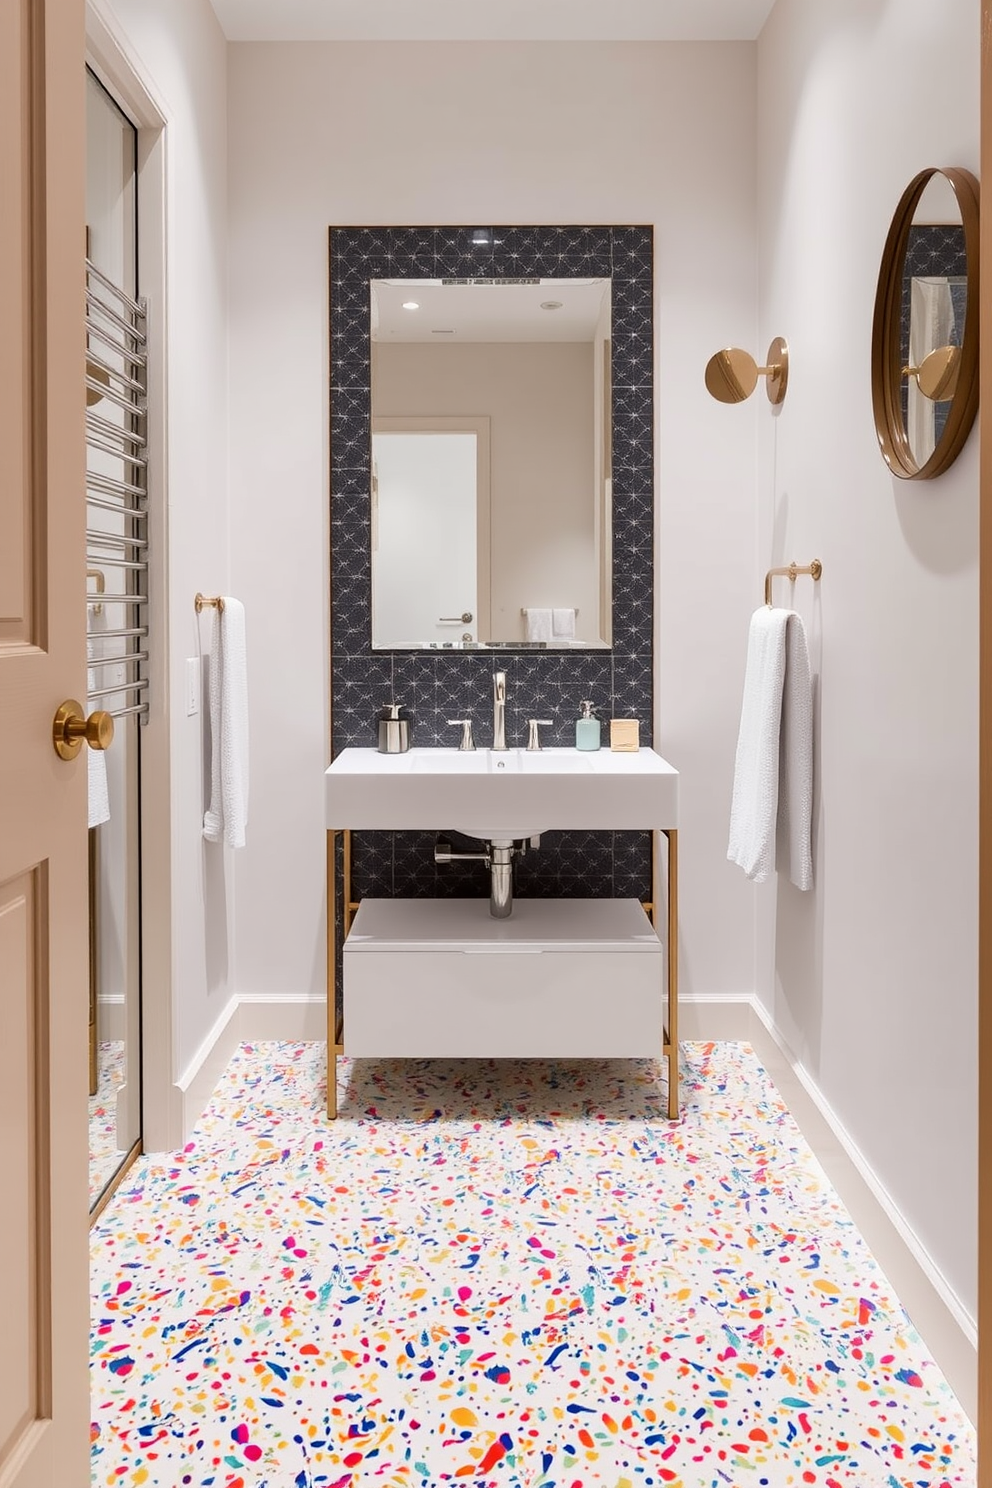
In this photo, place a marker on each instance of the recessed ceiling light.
(551, 304)
(410, 305)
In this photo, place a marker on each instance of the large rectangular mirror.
(491, 463)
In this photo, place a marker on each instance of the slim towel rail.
(523, 609)
(792, 572)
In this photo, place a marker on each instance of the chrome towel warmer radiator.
(116, 497)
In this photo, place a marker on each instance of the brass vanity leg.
(332, 1030)
(673, 973)
(335, 1030)
(94, 978)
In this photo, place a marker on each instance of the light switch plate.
(192, 685)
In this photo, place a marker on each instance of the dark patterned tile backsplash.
(437, 686)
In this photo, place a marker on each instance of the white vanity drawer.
(576, 978)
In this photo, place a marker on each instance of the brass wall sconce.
(732, 375)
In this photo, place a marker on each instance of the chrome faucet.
(499, 710)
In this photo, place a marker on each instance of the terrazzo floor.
(105, 1155)
(517, 1275)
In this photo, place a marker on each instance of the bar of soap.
(625, 735)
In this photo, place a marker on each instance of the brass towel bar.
(206, 601)
(793, 571)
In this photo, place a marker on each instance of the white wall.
(564, 133)
(872, 979)
(180, 54)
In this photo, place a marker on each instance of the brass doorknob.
(71, 729)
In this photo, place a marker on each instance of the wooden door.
(43, 884)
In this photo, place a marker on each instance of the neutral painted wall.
(872, 979)
(569, 133)
(539, 399)
(181, 55)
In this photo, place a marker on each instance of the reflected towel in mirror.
(563, 625)
(538, 624)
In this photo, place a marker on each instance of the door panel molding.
(25, 1237)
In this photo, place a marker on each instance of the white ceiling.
(492, 20)
(486, 312)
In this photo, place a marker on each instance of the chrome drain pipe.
(498, 858)
(501, 880)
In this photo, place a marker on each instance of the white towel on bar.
(227, 814)
(563, 625)
(98, 806)
(538, 625)
(773, 771)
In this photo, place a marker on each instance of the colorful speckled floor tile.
(105, 1155)
(516, 1275)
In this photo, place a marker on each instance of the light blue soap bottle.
(586, 728)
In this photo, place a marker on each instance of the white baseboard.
(715, 1015)
(198, 1080)
(248, 1018)
(295, 1019)
(111, 1019)
(938, 1315)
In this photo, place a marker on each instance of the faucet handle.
(465, 724)
(533, 737)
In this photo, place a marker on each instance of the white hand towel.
(563, 625)
(538, 625)
(795, 800)
(227, 814)
(773, 770)
(98, 808)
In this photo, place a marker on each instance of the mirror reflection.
(491, 463)
(934, 302)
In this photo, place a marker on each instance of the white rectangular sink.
(501, 794)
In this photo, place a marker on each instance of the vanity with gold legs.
(643, 1007)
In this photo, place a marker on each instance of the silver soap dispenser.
(586, 727)
(394, 729)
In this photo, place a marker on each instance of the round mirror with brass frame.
(947, 374)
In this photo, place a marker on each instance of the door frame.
(111, 58)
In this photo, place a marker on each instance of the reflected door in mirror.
(429, 511)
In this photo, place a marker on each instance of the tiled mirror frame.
(438, 685)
